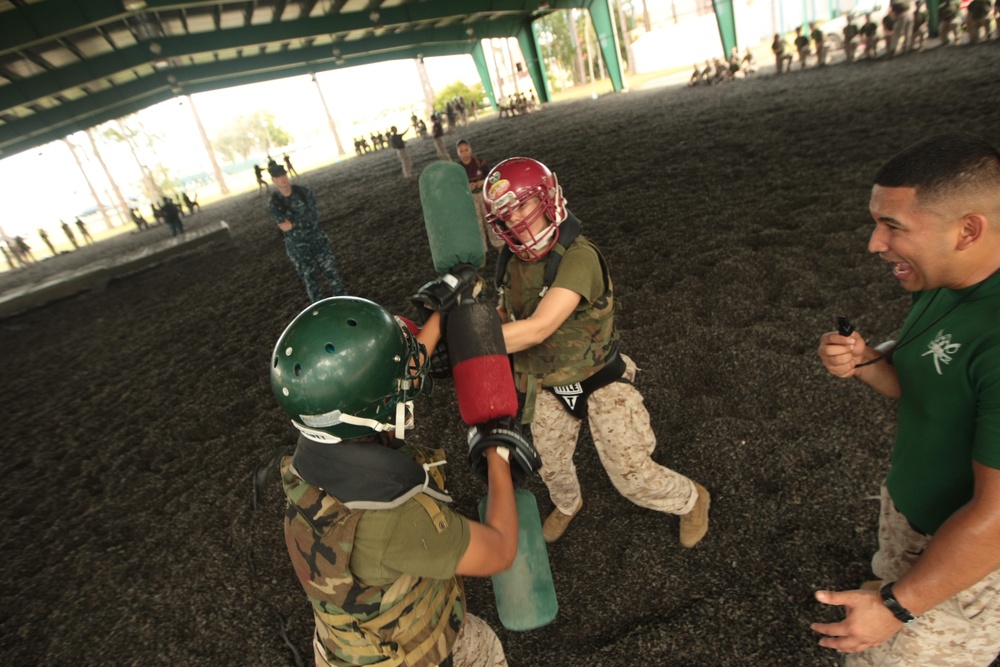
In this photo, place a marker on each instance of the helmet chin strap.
(534, 249)
(401, 418)
(403, 421)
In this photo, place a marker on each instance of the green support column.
(479, 58)
(533, 61)
(600, 16)
(727, 24)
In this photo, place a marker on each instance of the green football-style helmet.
(345, 368)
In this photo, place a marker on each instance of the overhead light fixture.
(171, 78)
(155, 48)
(470, 31)
(176, 90)
(134, 5)
(336, 52)
(161, 63)
(374, 16)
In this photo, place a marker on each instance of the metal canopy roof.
(66, 65)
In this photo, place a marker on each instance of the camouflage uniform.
(967, 620)
(902, 28)
(619, 422)
(307, 245)
(414, 621)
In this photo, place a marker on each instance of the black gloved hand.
(439, 365)
(502, 432)
(459, 285)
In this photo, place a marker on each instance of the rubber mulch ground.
(140, 521)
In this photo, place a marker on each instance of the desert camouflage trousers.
(963, 631)
(624, 439)
(406, 163)
(476, 646)
(440, 149)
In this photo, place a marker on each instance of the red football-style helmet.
(508, 186)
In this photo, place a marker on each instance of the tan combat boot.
(555, 525)
(694, 524)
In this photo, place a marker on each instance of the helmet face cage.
(415, 381)
(345, 368)
(510, 185)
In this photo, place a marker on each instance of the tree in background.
(141, 142)
(558, 37)
(559, 34)
(245, 134)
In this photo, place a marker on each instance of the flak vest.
(414, 622)
(577, 350)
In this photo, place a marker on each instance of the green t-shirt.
(403, 540)
(949, 408)
(579, 271)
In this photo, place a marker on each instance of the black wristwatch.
(890, 601)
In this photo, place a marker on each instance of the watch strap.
(893, 605)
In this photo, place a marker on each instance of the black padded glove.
(439, 365)
(448, 290)
(502, 432)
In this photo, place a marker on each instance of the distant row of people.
(518, 104)
(379, 141)
(455, 114)
(716, 71)
(163, 212)
(19, 254)
(904, 28)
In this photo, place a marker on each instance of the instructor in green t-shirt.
(936, 207)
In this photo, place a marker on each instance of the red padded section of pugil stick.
(485, 389)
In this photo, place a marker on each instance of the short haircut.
(463, 141)
(943, 165)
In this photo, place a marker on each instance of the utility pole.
(329, 118)
(425, 84)
(86, 177)
(223, 188)
(114, 186)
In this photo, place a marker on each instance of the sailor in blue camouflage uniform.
(293, 209)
